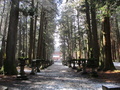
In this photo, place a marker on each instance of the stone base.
(84, 72)
(79, 69)
(69, 66)
(74, 67)
(110, 88)
(38, 70)
(24, 77)
(32, 73)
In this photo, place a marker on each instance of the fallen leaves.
(110, 76)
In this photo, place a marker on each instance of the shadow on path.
(56, 77)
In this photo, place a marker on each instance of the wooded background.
(87, 28)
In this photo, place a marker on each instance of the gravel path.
(56, 77)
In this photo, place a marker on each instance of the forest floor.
(59, 77)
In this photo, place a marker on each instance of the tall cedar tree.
(108, 64)
(9, 66)
(89, 28)
(40, 37)
(31, 35)
(94, 32)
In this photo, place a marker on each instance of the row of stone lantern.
(36, 64)
(83, 64)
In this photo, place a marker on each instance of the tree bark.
(3, 47)
(26, 50)
(94, 32)
(118, 38)
(10, 66)
(108, 64)
(2, 17)
(89, 29)
(34, 39)
(19, 33)
(31, 36)
(31, 40)
(23, 37)
(39, 49)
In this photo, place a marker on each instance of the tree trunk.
(94, 32)
(31, 36)
(26, 48)
(102, 50)
(75, 44)
(79, 41)
(89, 29)
(34, 39)
(2, 17)
(118, 39)
(71, 38)
(31, 40)
(3, 47)
(64, 52)
(10, 66)
(68, 37)
(108, 64)
(113, 50)
(39, 49)
(20, 44)
(45, 40)
(23, 37)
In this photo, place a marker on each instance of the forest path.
(57, 77)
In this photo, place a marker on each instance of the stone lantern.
(38, 65)
(22, 75)
(22, 63)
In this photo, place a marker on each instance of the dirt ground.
(59, 77)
